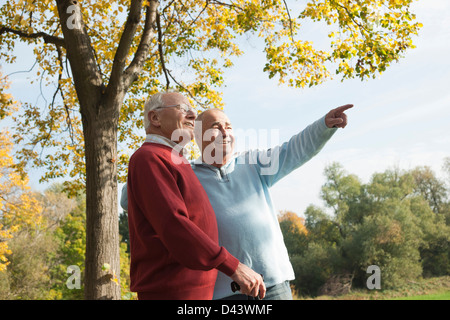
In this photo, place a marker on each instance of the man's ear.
(154, 119)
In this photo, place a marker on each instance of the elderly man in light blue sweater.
(238, 189)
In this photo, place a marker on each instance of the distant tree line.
(398, 221)
(43, 247)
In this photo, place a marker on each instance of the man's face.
(217, 136)
(175, 124)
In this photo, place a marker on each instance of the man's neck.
(220, 163)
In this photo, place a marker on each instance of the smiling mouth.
(223, 142)
(189, 124)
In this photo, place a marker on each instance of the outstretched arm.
(301, 147)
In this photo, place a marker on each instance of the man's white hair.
(153, 102)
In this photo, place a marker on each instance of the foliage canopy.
(193, 43)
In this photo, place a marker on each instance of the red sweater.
(173, 229)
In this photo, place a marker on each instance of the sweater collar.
(155, 138)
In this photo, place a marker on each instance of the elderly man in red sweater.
(173, 229)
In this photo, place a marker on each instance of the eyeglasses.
(184, 108)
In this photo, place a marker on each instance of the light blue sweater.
(246, 218)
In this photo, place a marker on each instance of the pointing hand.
(336, 118)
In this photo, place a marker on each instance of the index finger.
(341, 109)
(262, 291)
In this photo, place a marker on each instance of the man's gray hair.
(153, 102)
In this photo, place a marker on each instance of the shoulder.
(152, 152)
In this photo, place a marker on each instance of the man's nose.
(224, 132)
(191, 115)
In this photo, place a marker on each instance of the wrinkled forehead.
(212, 117)
(174, 98)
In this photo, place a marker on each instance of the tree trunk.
(102, 264)
(99, 108)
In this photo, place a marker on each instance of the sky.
(399, 119)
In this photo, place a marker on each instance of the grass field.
(436, 296)
(425, 289)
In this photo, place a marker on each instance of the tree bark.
(102, 225)
(100, 122)
(99, 108)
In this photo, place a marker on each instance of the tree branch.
(46, 37)
(136, 65)
(186, 89)
(134, 17)
(230, 6)
(290, 20)
(351, 16)
(68, 120)
(160, 50)
(86, 76)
